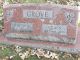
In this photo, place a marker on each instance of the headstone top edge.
(41, 4)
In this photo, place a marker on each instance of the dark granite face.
(41, 23)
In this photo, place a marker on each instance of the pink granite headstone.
(43, 23)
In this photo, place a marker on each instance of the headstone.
(43, 23)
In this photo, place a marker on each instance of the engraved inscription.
(59, 29)
(9, 13)
(42, 14)
(69, 16)
(21, 27)
(38, 38)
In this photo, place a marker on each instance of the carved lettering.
(21, 27)
(42, 14)
(59, 29)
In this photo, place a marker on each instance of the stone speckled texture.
(59, 21)
(62, 15)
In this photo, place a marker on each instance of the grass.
(28, 1)
(36, 1)
(17, 57)
(33, 58)
(1, 11)
(9, 51)
(6, 52)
